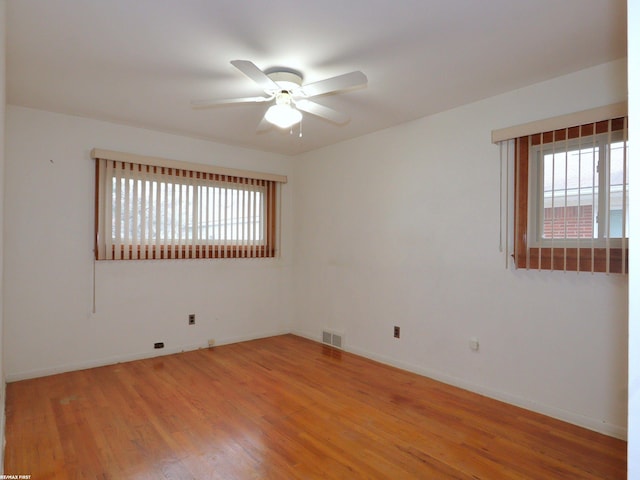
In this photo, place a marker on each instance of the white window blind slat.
(625, 182)
(135, 211)
(118, 215)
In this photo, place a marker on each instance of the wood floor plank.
(284, 408)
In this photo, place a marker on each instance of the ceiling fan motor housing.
(287, 80)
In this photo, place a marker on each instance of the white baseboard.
(70, 367)
(557, 413)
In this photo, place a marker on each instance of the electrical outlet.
(192, 319)
(212, 343)
(396, 332)
(474, 344)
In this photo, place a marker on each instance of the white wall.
(2, 140)
(49, 260)
(401, 227)
(633, 30)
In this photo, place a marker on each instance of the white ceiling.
(141, 62)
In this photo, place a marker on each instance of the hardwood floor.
(283, 408)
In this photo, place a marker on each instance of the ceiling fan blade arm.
(228, 101)
(255, 74)
(333, 84)
(321, 111)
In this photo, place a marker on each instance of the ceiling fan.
(283, 87)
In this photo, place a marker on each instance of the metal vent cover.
(332, 338)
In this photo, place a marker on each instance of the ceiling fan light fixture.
(283, 115)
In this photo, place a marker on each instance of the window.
(164, 212)
(571, 198)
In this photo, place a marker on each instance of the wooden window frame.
(569, 258)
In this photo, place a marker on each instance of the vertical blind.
(570, 196)
(163, 212)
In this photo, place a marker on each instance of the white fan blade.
(228, 101)
(255, 74)
(333, 84)
(321, 111)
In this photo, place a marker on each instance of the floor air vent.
(332, 338)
